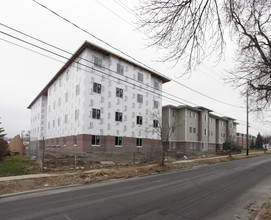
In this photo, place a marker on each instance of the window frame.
(155, 123)
(139, 142)
(139, 98)
(98, 62)
(118, 141)
(120, 69)
(118, 116)
(95, 140)
(97, 88)
(140, 77)
(74, 140)
(96, 113)
(139, 120)
(119, 92)
(155, 104)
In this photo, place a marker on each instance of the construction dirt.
(75, 169)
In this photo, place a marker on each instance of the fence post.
(42, 159)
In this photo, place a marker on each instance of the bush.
(232, 147)
(3, 149)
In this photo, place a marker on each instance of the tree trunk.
(163, 158)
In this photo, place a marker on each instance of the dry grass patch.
(118, 171)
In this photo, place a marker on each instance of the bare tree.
(193, 30)
(164, 128)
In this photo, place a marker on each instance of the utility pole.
(247, 121)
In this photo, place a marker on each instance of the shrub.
(3, 149)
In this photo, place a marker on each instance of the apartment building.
(242, 140)
(99, 101)
(191, 129)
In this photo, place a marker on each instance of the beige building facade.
(194, 129)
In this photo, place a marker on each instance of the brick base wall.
(185, 147)
(107, 144)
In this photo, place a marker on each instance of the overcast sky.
(25, 73)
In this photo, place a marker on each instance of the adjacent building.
(192, 129)
(99, 101)
(242, 140)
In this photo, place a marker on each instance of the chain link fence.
(35, 150)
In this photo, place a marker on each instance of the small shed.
(16, 145)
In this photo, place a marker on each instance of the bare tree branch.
(193, 30)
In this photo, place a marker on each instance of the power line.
(78, 57)
(158, 95)
(85, 31)
(33, 51)
(124, 80)
(54, 53)
(115, 14)
(125, 7)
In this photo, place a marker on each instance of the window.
(118, 116)
(97, 87)
(97, 62)
(64, 141)
(74, 140)
(57, 141)
(156, 84)
(139, 98)
(190, 145)
(194, 130)
(96, 113)
(155, 104)
(205, 117)
(48, 125)
(119, 92)
(77, 90)
(140, 77)
(118, 141)
(190, 129)
(155, 123)
(120, 69)
(139, 142)
(66, 119)
(53, 123)
(139, 120)
(193, 115)
(66, 97)
(76, 114)
(58, 121)
(205, 132)
(173, 113)
(173, 129)
(54, 105)
(211, 120)
(59, 101)
(212, 133)
(95, 140)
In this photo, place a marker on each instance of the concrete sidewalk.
(29, 176)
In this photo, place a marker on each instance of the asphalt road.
(229, 190)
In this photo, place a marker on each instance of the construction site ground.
(70, 169)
